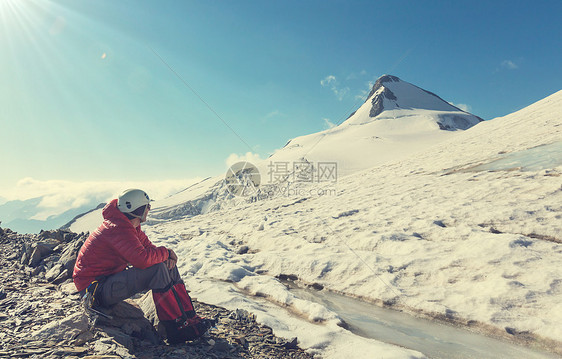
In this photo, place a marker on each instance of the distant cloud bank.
(59, 196)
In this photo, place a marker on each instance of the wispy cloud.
(462, 106)
(510, 65)
(328, 80)
(328, 124)
(331, 82)
(59, 196)
(248, 157)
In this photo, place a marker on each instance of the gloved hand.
(172, 259)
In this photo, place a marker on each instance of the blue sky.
(85, 96)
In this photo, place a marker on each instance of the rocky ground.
(41, 314)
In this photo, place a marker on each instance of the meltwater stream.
(532, 159)
(433, 339)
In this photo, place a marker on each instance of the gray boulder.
(70, 252)
(35, 258)
(64, 275)
(65, 329)
(54, 272)
(130, 319)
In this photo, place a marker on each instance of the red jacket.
(111, 247)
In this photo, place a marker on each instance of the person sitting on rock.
(118, 261)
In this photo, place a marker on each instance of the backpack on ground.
(175, 311)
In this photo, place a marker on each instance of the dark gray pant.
(131, 281)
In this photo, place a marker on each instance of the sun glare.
(8, 9)
(7, 3)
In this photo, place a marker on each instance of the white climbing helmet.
(132, 199)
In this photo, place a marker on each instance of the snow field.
(421, 233)
(457, 268)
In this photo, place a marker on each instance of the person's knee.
(161, 276)
(160, 267)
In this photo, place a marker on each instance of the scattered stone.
(35, 258)
(240, 340)
(83, 338)
(74, 350)
(64, 329)
(222, 346)
(346, 214)
(64, 275)
(102, 348)
(243, 250)
(45, 248)
(69, 254)
(38, 270)
(293, 344)
(53, 272)
(439, 223)
(123, 353)
(68, 288)
(56, 234)
(26, 254)
(120, 337)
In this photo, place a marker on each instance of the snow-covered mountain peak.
(391, 93)
(393, 98)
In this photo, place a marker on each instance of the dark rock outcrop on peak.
(378, 101)
(41, 315)
(380, 81)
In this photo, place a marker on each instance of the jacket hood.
(113, 214)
